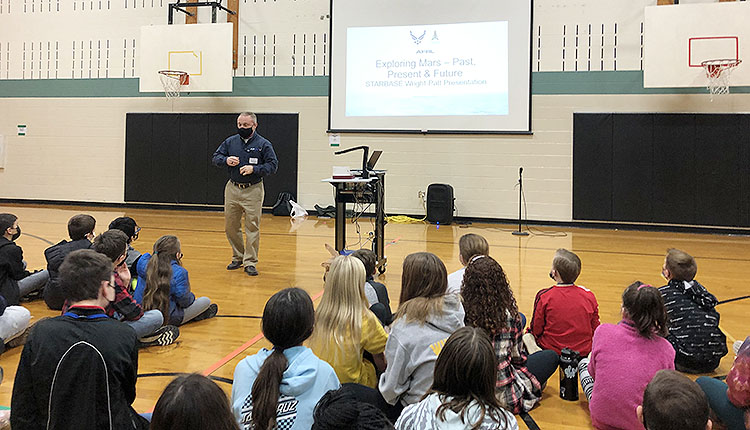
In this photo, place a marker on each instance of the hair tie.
(156, 252)
(476, 257)
(644, 285)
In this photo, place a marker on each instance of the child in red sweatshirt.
(565, 314)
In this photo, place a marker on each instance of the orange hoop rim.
(182, 77)
(714, 68)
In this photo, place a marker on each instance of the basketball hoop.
(718, 73)
(172, 81)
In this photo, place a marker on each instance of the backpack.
(282, 207)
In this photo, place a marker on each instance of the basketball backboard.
(678, 38)
(202, 50)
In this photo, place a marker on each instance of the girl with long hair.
(426, 317)
(463, 391)
(163, 285)
(279, 388)
(345, 327)
(490, 305)
(625, 357)
(193, 402)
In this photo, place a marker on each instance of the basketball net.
(172, 81)
(718, 73)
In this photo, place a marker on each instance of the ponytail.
(288, 319)
(159, 275)
(644, 305)
(266, 390)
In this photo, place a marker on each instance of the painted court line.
(214, 367)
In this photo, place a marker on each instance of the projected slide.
(427, 70)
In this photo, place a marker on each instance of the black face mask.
(245, 132)
(16, 235)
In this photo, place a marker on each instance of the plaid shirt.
(516, 388)
(125, 307)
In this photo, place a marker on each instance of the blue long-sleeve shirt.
(257, 152)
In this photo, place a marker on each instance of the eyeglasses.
(135, 235)
(109, 284)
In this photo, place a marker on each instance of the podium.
(362, 191)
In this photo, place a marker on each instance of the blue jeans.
(147, 324)
(716, 391)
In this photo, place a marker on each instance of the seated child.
(344, 326)
(469, 245)
(730, 400)
(694, 329)
(128, 226)
(376, 293)
(279, 388)
(490, 305)
(193, 402)
(148, 325)
(625, 357)
(163, 285)
(81, 232)
(565, 314)
(427, 315)
(463, 390)
(673, 402)
(340, 409)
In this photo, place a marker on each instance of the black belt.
(243, 185)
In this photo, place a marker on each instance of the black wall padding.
(632, 167)
(592, 166)
(168, 156)
(674, 168)
(663, 168)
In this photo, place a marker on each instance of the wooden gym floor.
(291, 256)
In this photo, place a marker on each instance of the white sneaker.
(737, 346)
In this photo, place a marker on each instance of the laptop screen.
(373, 159)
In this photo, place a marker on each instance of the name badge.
(252, 160)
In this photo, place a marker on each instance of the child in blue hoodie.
(280, 388)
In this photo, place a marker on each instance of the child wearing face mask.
(15, 280)
(694, 329)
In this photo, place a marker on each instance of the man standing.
(248, 157)
(79, 370)
(15, 280)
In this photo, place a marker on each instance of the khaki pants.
(247, 201)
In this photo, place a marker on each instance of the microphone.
(520, 171)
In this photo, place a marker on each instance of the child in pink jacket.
(625, 357)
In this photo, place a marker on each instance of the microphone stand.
(520, 195)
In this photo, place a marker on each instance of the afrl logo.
(418, 40)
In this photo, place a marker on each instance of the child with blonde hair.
(469, 245)
(345, 327)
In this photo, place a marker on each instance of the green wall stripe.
(267, 86)
(606, 82)
(543, 83)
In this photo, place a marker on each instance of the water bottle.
(569, 374)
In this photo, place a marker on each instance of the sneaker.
(21, 339)
(208, 313)
(165, 335)
(251, 271)
(234, 265)
(737, 346)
